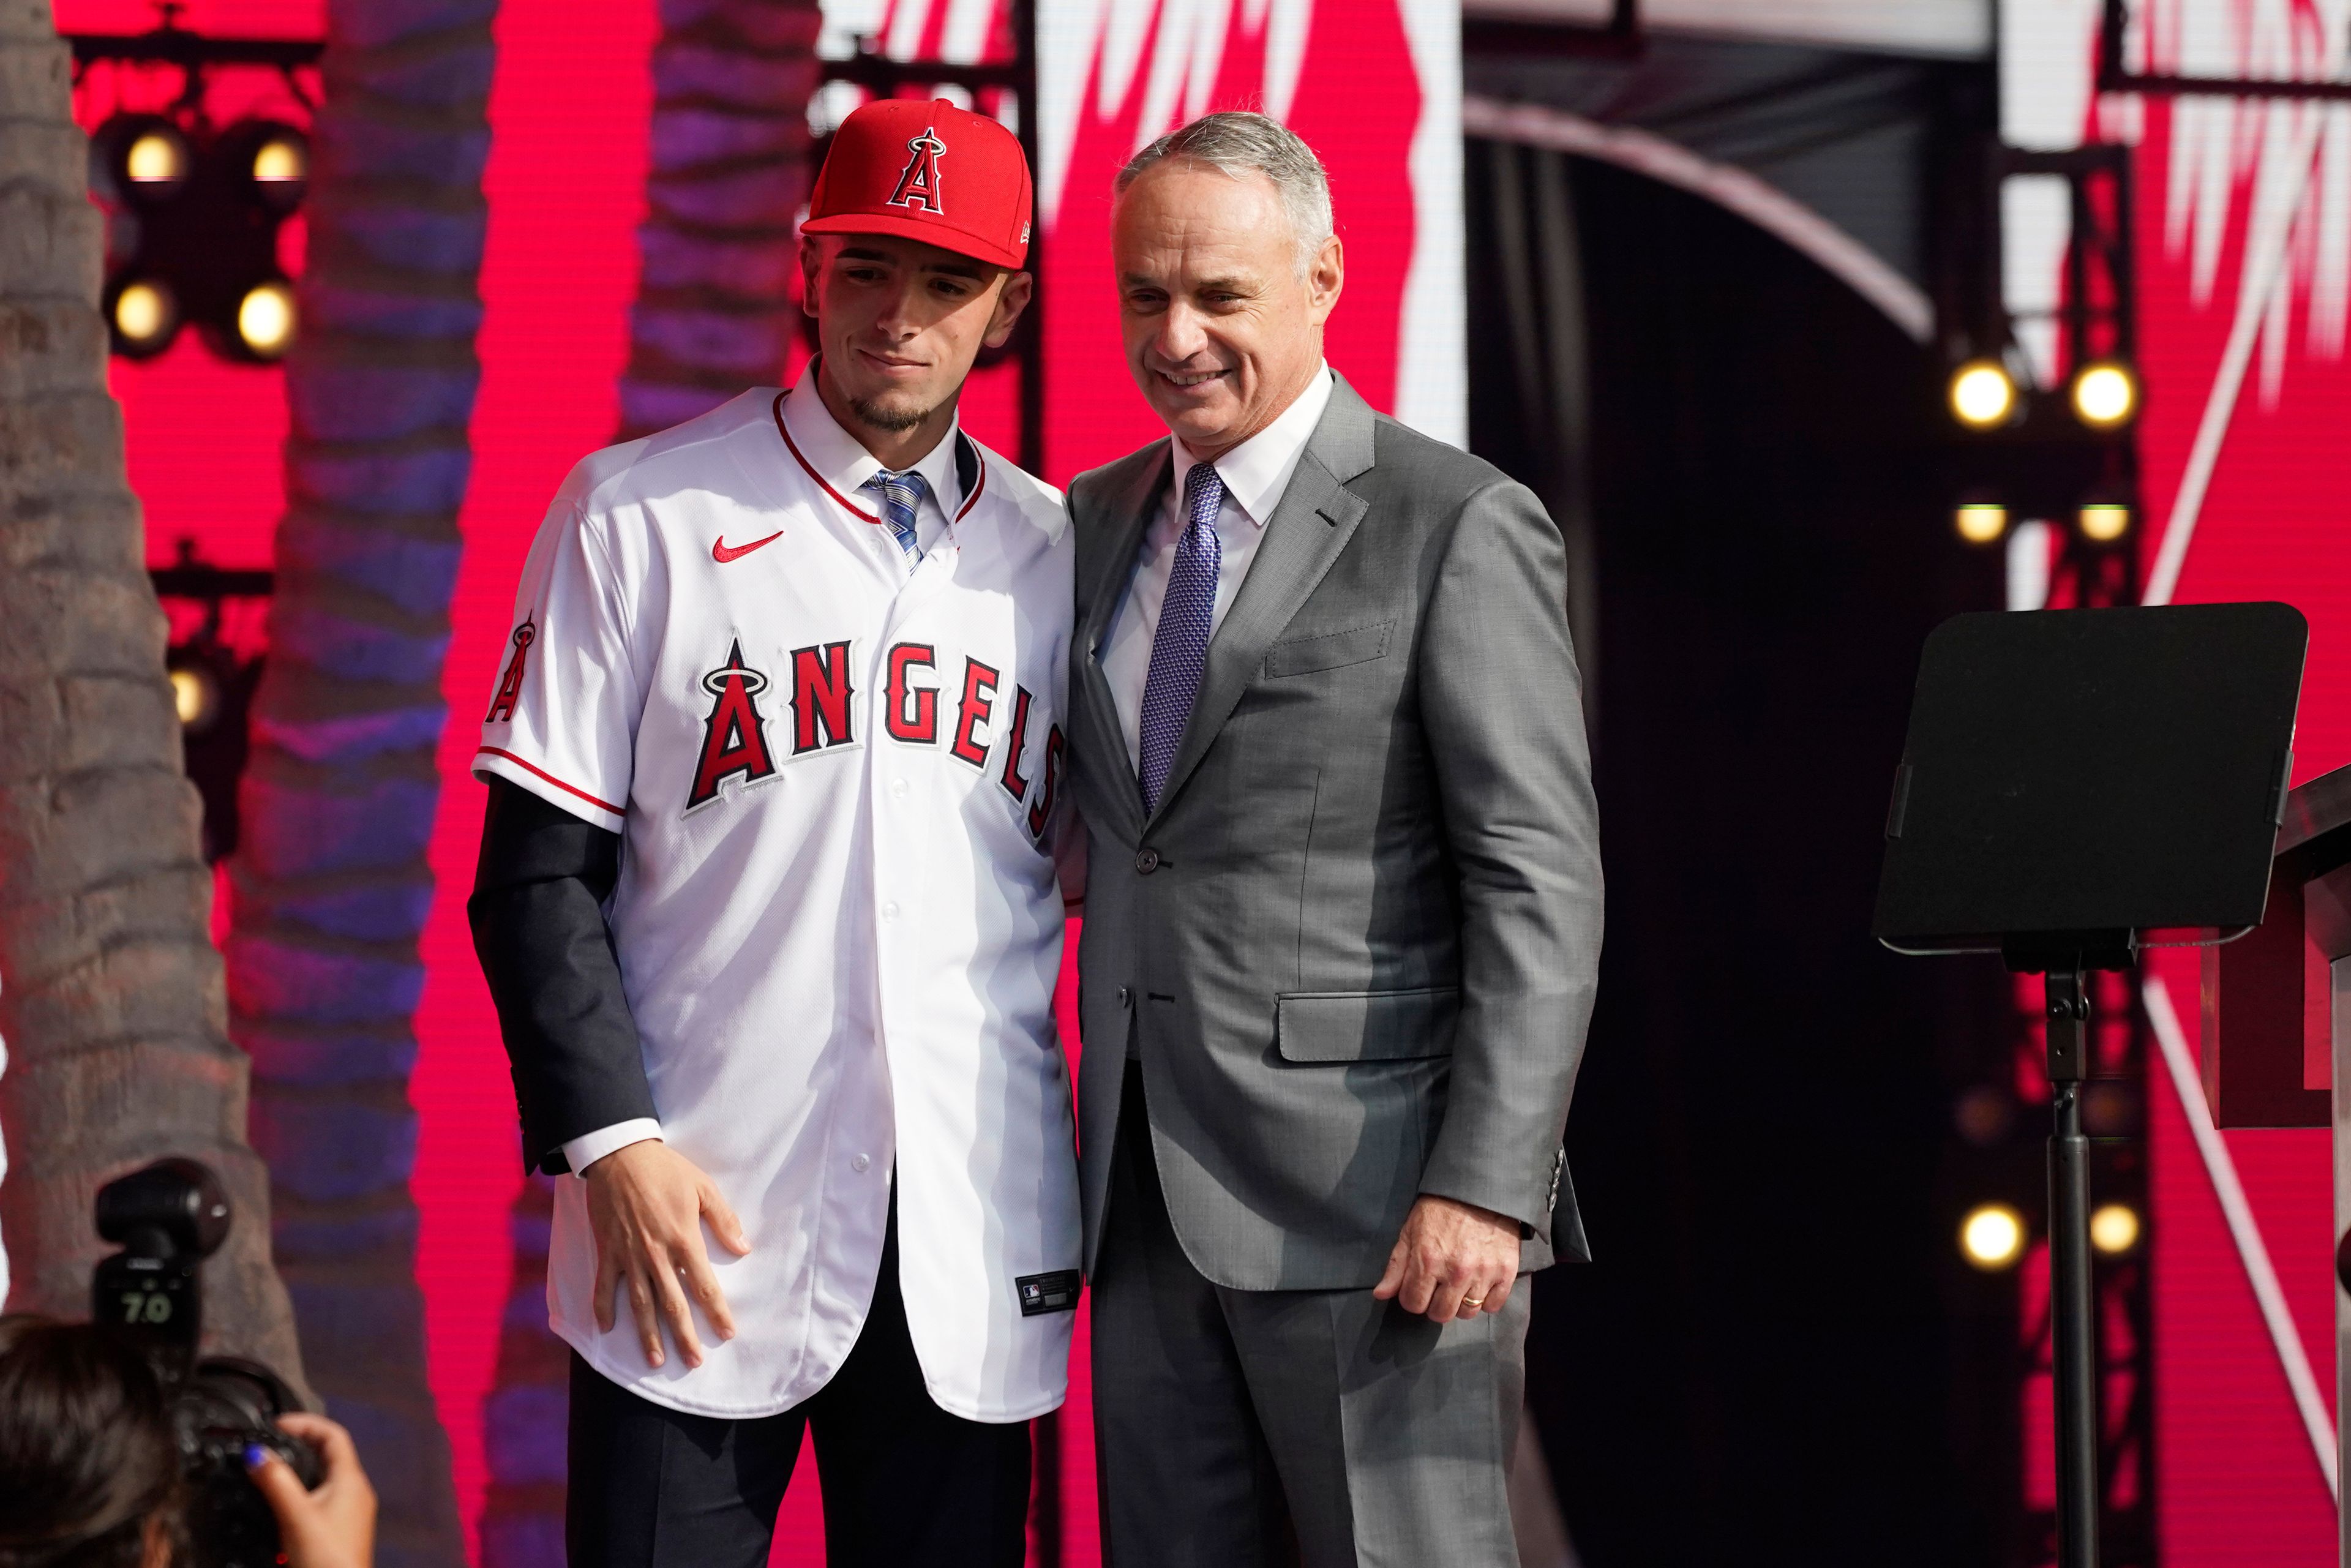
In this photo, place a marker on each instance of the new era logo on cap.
(889, 167)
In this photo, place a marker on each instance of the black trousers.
(906, 1484)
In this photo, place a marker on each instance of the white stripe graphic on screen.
(965, 37)
(1069, 33)
(904, 41)
(2278, 214)
(846, 21)
(1432, 382)
(2242, 1227)
(1176, 48)
(1285, 50)
(2219, 145)
(2258, 312)
(1183, 59)
(1125, 34)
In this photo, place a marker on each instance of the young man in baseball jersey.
(767, 902)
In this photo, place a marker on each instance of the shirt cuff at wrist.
(581, 1152)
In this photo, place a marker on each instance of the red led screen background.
(2238, 1483)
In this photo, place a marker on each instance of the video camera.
(168, 1218)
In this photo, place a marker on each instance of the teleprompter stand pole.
(2074, 1360)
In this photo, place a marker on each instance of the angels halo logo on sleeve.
(502, 706)
(918, 182)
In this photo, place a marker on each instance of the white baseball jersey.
(837, 782)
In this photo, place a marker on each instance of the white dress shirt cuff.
(581, 1152)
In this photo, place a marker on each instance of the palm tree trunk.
(729, 170)
(110, 994)
(331, 882)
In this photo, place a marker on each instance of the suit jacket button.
(1147, 861)
(1125, 997)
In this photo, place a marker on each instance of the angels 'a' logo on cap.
(918, 183)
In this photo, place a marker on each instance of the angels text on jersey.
(758, 722)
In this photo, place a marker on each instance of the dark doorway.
(1765, 1365)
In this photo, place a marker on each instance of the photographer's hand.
(332, 1526)
(647, 1203)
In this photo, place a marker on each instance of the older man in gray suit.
(1342, 920)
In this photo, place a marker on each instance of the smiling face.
(1222, 331)
(900, 323)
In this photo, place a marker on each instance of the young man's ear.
(1019, 290)
(811, 263)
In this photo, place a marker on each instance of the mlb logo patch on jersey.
(1053, 1292)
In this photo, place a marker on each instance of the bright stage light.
(2114, 1229)
(2104, 521)
(1992, 1237)
(275, 160)
(1980, 522)
(145, 316)
(1983, 393)
(196, 695)
(156, 157)
(2106, 394)
(264, 319)
(280, 159)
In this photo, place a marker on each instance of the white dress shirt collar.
(842, 461)
(1257, 471)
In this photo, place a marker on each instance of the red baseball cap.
(929, 171)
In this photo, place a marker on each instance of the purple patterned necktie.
(1179, 648)
(901, 493)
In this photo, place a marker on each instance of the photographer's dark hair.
(87, 1451)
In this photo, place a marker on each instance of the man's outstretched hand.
(647, 1204)
(1451, 1260)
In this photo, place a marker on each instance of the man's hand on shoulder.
(647, 1203)
(1451, 1260)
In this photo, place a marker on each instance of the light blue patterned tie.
(900, 494)
(1179, 648)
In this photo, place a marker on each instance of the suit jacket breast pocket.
(1329, 649)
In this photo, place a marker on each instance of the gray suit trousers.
(1250, 1429)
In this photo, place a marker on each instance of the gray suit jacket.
(1356, 946)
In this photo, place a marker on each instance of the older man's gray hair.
(1240, 143)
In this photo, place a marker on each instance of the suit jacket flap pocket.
(1365, 1026)
(1328, 650)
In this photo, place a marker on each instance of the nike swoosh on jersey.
(722, 552)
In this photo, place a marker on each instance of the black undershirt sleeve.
(538, 929)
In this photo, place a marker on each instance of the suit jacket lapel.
(1130, 514)
(1311, 524)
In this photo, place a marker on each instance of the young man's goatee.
(878, 415)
